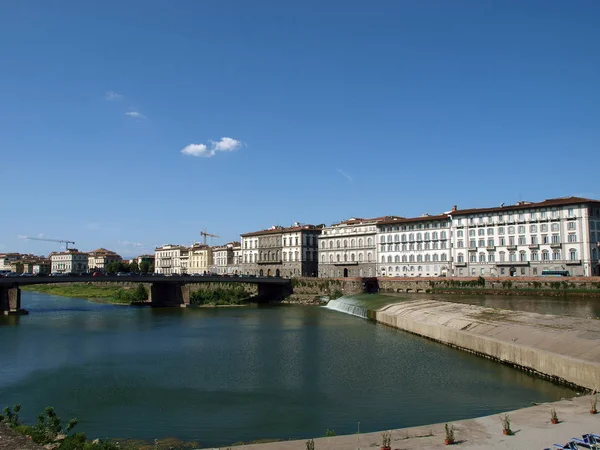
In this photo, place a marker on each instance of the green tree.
(144, 267)
(151, 269)
(133, 267)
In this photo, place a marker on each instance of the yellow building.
(200, 259)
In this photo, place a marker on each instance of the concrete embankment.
(563, 348)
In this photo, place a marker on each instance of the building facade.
(281, 251)
(100, 258)
(348, 248)
(525, 239)
(225, 260)
(415, 247)
(7, 260)
(168, 259)
(69, 261)
(200, 259)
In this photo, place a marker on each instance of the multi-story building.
(527, 238)
(168, 259)
(41, 267)
(224, 259)
(6, 259)
(145, 259)
(237, 259)
(280, 251)
(415, 247)
(348, 248)
(100, 258)
(69, 261)
(200, 259)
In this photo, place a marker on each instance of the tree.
(133, 267)
(151, 269)
(144, 267)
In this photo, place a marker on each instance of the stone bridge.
(164, 291)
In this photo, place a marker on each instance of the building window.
(482, 257)
(460, 258)
(573, 254)
(502, 256)
(545, 255)
(572, 237)
(556, 255)
(555, 227)
(522, 256)
(491, 257)
(473, 257)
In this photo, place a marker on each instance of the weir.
(348, 305)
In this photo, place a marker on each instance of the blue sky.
(332, 109)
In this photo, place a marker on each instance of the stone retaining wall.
(565, 349)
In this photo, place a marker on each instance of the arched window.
(389, 238)
(382, 259)
(360, 242)
(403, 238)
(443, 257)
(427, 257)
(337, 243)
(397, 269)
(435, 235)
(345, 243)
(322, 258)
(330, 258)
(411, 237)
(360, 257)
(323, 244)
(419, 258)
(396, 238)
(411, 258)
(352, 242)
(397, 258)
(419, 236)
(389, 259)
(369, 242)
(522, 256)
(337, 257)
(435, 257)
(345, 257)
(404, 258)
(427, 235)
(443, 235)
(285, 256)
(512, 256)
(389, 270)
(396, 247)
(382, 239)
(482, 257)
(460, 258)
(330, 244)
(352, 257)
(369, 258)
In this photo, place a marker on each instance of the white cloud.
(135, 114)
(21, 236)
(131, 244)
(226, 144)
(198, 150)
(40, 235)
(345, 174)
(113, 96)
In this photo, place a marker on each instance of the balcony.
(472, 249)
(571, 218)
(534, 246)
(555, 245)
(511, 247)
(460, 264)
(573, 262)
(490, 248)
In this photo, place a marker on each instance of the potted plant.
(506, 425)
(386, 439)
(449, 434)
(593, 404)
(553, 416)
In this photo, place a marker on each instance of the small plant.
(386, 440)
(593, 404)
(310, 444)
(330, 433)
(506, 424)
(553, 416)
(10, 416)
(449, 434)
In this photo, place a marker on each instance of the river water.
(217, 376)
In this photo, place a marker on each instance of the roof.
(279, 230)
(414, 219)
(360, 220)
(562, 201)
(102, 250)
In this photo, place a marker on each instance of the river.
(217, 376)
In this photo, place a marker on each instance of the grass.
(112, 294)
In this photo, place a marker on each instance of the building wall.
(168, 260)
(348, 250)
(200, 260)
(69, 262)
(523, 243)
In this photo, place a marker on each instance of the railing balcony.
(472, 249)
(555, 245)
(460, 264)
(534, 246)
(511, 247)
(573, 262)
(490, 248)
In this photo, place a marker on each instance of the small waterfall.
(348, 305)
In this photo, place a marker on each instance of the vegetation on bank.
(234, 295)
(112, 294)
(482, 285)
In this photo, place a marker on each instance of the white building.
(225, 260)
(348, 248)
(7, 260)
(167, 259)
(524, 239)
(415, 247)
(69, 261)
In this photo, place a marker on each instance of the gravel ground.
(9, 440)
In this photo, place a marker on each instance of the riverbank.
(92, 292)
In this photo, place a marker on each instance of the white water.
(347, 305)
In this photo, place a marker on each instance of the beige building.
(100, 258)
(226, 259)
(200, 259)
(281, 251)
(348, 248)
(7, 259)
(527, 239)
(167, 259)
(69, 261)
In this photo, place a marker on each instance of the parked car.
(97, 274)
(123, 274)
(155, 274)
(25, 274)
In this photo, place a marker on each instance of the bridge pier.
(10, 300)
(168, 294)
(272, 292)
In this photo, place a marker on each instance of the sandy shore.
(532, 430)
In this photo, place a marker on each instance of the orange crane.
(52, 240)
(204, 234)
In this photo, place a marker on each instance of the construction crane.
(62, 241)
(204, 234)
